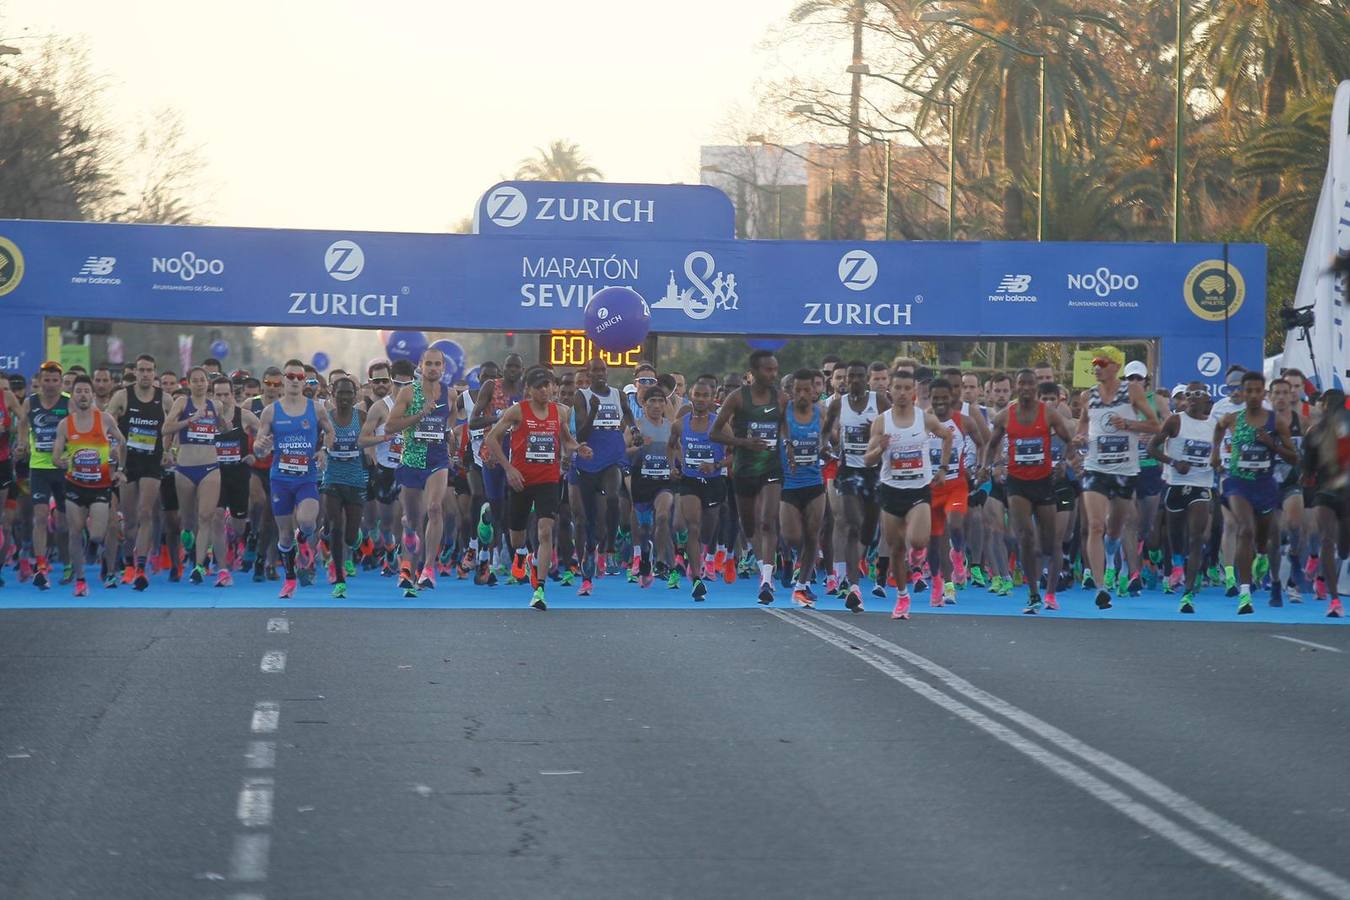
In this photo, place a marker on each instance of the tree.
(561, 161)
(1292, 151)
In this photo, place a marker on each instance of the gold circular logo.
(1214, 292)
(11, 266)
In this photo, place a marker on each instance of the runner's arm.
(493, 439)
(482, 407)
(173, 421)
(398, 416)
(1220, 429)
(721, 430)
(379, 412)
(990, 450)
(115, 437)
(1170, 429)
(264, 438)
(876, 443)
(17, 433)
(1149, 424)
(59, 444)
(1284, 442)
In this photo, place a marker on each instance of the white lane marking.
(1145, 784)
(274, 662)
(1293, 640)
(246, 897)
(278, 626)
(248, 862)
(561, 772)
(255, 803)
(266, 717)
(261, 755)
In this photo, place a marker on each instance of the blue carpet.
(370, 591)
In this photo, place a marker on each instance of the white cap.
(1134, 367)
(1179, 389)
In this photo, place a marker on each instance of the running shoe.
(949, 594)
(1187, 603)
(258, 576)
(1050, 602)
(350, 568)
(340, 591)
(1245, 604)
(831, 584)
(566, 578)
(129, 575)
(537, 601)
(198, 575)
(977, 576)
(901, 610)
(673, 580)
(917, 583)
(1293, 592)
(141, 582)
(25, 570)
(632, 577)
(765, 593)
(224, 579)
(879, 591)
(1334, 610)
(586, 587)
(1276, 597)
(428, 580)
(332, 573)
(841, 591)
(1319, 587)
(719, 560)
(517, 568)
(935, 595)
(1103, 599)
(1089, 583)
(1034, 604)
(729, 570)
(853, 600)
(410, 593)
(532, 571)
(485, 525)
(1135, 586)
(387, 569)
(287, 589)
(1260, 568)
(1109, 582)
(188, 540)
(67, 574)
(306, 577)
(1230, 586)
(700, 590)
(803, 599)
(304, 554)
(484, 570)
(110, 581)
(405, 577)
(81, 588)
(958, 566)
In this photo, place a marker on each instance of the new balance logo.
(1014, 284)
(98, 265)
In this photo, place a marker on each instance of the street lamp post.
(777, 194)
(864, 69)
(829, 170)
(1040, 57)
(1176, 151)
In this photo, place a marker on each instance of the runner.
(848, 424)
(1250, 488)
(603, 420)
(539, 440)
(951, 488)
(899, 442)
(13, 448)
(1112, 463)
(1326, 462)
(385, 380)
(261, 544)
(138, 410)
(83, 446)
(1148, 487)
(192, 425)
(652, 490)
(495, 396)
(43, 411)
(802, 509)
(750, 421)
(289, 431)
(1184, 446)
(702, 486)
(1288, 519)
(423, 413)
(233, 452)
(1028, 425)
(344, 481)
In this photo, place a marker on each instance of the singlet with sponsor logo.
(1144, 439)
(904, 461)
(295, 443)
(1248, 458)
(760, 422)
(855, 429)
(1029, 446)
(802, 449)
(346, 463)
(42, 425)
(88, 453)
(698, 448)
(606, 435)
(1288, 473)
(424, 444)
(232, 443)
(143, 424)
(389, 453)
(256, 406)
(203, 431)
(1193, 445)
(957, 457)
(653, 459)
(536, 445)
(1111, 450)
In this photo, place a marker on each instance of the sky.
(397, 115)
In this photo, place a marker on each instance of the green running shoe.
(485, 526)
(565, 578)
(1245, 605)
(978, 577)
(673, 580)
(1187, 603)
(350, 568)
(340, 591)
(1109, 582)
(537, 601)
(1260, 568)
(188, 539)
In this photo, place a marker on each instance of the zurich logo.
(506, 207)
(602, 312)
(344, 260)
(1209, 364)
(857, 270)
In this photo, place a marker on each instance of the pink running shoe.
(901, 610)
(1177, 577)
(958, 567)
(1320, 585)
(305, 555)
(287, 589)
(1334, 610)
(832, 584)
(224, 578)
(332, 573)
(935, 595)
(1051, 602)
(82, 589)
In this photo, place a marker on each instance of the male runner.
(388, 454)
(652, 489)
(139, 412)
(258, 547)
(233, 452)
(900, 443)
(495, 396)
(43, 411)
(750, 421)
(848, 424)
(13, 451)
(539, 440)
(1326, 462)
(83, 446)
(1288, 519)
(1184, 446)
(344, 481)
(702, 487)
(802, 509)
(951, 486)
(603, 420)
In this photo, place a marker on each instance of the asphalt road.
(482, 753)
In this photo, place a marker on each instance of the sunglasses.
(1196, 393)
(1134, 377)
(402, 383)
(312, 382)
(646, 381)
(295, 376)
(272, 383)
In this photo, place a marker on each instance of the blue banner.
(1181, 293)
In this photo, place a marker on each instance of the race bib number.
(203, 431)
(1254, 459)
(764, 431)
(228, 454)
(44, 445)
(141, 441)
(607, 417)
(806, 453)
(86, 465)
(540, 448)
(906, 463)
(396, 448)
(293, 463)
(698, 453)
(476, 437)
(344, 453)
(654, 466)
(1028, 451)
(1113, 448)
(1197, 453)
(431, 437)
(855, 442)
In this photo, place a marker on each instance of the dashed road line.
(266, 717)
(274, 662)
(254, 809)
(1294, 640)
(278, 626)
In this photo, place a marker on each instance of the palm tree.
(1292, 150)
(1103, 196)
(1261, 50)
(971, 66)
(562, 161)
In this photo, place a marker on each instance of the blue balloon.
(454, 357)
(320, 361)
(474, 378)
(772, 344)
(617, 319)
(220, 349)
(406, 345)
